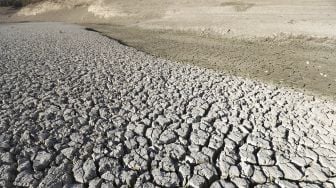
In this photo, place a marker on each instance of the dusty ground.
(80, 110)
(308, 64)
(224, 17)
(290, 43)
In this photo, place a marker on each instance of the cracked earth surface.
(80, 110)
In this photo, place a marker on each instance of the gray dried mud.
(78, 109)
(301, 62)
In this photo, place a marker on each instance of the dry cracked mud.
(80, 110)
(304, 63)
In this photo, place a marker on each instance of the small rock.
(89, 170)
(56, 177)
(246, 154)
(272, 172)
(314, 173)
(206, 170)
(247, 169)
(142, 179)
(6, 157)
(258, 176)
(94, 183)
(258, 141)
(241, 182)
(109, 176)
(267, 185)
(128, 177)
(197, 113)
(309, 185)
(265, 157)
(165, 179)
(286, 184)
(163, 121)
(290, 171)
(42, 160)
(23, 164)
(78, 172)
(7, 173)
(234, 172)
(107, 185)
(167, 164)
(24, 179)
(222, 184)
(197, 181)
(185, 171)
(77, 138)
(77, 185)
(68, 152)
(199, 137)
(168, 137)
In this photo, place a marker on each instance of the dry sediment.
(301, 62)
(78, 109)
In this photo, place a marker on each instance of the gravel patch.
(80, 110)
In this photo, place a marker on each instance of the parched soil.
(287, 43)
(301, 62)
(80, 110)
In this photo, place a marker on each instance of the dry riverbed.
(286, 43)
(301, 62)
(80, 110)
